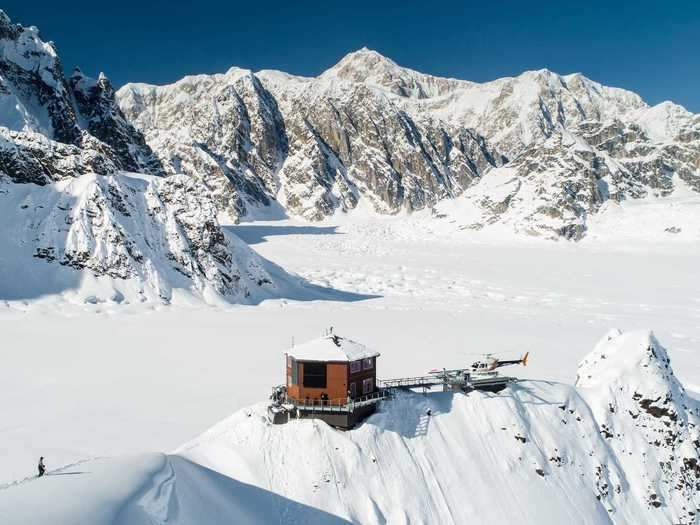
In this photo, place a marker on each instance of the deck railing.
(343, 404)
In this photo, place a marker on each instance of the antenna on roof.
(330, 330)
(292, 341)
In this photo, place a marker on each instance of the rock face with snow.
(647, 419)
(139, 238)
(399, 139)
(50, 127)
(313, 146)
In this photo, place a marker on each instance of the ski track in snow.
(59, 470)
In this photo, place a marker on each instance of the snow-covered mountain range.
(74, 222)
(539, 151)
(622, 446)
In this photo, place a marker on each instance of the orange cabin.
(331, 368)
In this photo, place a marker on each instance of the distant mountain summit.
(539, 152)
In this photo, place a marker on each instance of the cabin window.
(355, 366)
(367, 385)
(315, 375)
(367, 364)
(294, 376)
(353, 389)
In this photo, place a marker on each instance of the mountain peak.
(372, 68)
(359, 64)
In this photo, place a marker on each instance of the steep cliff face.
(369, 129)
(551, 188)
(358, 138)
(48, 124)
(315, 145)
(225, 130)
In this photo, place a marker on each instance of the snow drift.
(621, 448)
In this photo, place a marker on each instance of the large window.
(315, 375)
(367, 386)
(368, 364)
(355, 366)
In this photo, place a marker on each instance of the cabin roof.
(331, 348)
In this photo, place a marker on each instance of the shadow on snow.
(258, 233)
(200, 494)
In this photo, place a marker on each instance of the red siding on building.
(336, 383)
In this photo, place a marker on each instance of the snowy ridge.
(539, 452)
(76, 225)
(126, 238)
(646, 410)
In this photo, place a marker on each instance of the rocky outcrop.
(48, 124)
(146, 236)
(34, 158)
(551, 188)
(647, 418)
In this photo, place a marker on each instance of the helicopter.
(490, 363)
(487, 365)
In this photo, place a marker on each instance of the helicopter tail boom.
(521, 361)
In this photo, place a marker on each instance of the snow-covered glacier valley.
(424, 297)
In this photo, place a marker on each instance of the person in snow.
(42, 467)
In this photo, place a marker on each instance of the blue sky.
(652, 48)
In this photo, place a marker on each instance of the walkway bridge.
(450, 380)
(411, 382)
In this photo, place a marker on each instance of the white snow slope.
(539, 452)
(128, 238)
